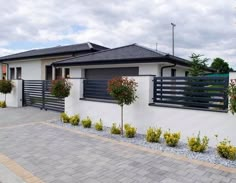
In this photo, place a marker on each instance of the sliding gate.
(37, 93)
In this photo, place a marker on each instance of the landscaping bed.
(210, 155)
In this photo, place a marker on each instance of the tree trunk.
(121, 128)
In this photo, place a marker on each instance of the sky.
(202, 27)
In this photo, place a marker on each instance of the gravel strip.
(210, 155)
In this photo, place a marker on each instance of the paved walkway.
(59, 155)
(17, 116)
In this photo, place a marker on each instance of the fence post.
(154, 89)
(43, 95)
(23, 93)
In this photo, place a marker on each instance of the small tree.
(232, 96)
(123, 90)
(5, 87)
(198, 65)
(61, 88)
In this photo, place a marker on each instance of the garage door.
(108, 73)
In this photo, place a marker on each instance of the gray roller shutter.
(108, 73)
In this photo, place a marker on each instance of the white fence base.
(143, 116)
(14, 99)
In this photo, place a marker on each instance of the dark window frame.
(48, 76)
(18, 73)
(67, 75)
(12, 73)
(173, 72)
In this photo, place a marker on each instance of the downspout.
(162, 69)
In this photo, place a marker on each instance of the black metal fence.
(192, 92)
(96, 89)
(37, 93)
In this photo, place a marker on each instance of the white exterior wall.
(14, 99)
(142, 116)
(30, 70)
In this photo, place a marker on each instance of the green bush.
(61, 88)
(115, 130)
(5, 86)
(99, 125)
(130, 131)
(3, 104)
(74, 120)
(197, 144)
(65, 118)
(226, 150)
(153, 134)
(171, 139)
(87, 123)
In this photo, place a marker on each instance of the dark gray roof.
(127, 54)
(58, 50)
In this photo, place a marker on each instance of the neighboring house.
(4, 72)
(130, 60)
(36, 64)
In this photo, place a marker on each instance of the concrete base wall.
(142, 116)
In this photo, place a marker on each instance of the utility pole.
(173, 38)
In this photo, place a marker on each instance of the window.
(67, 73)
(173, 72)
(58, 73)
(48, 72)
(18, 73)
(186, 73)
(12, 73)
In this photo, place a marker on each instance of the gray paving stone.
(56, 155)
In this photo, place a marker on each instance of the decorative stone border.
(18, 170)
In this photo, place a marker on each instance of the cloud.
(204, 27)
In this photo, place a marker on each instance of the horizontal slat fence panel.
(96, 89)
(37, 93)
(192, 92)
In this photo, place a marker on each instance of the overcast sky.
(203, 27)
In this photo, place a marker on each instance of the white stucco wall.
(14, 99)
(31, 69)
(142, 116)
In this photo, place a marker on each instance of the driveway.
(18, 116)
(59, 155)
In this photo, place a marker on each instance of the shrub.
(226, 150)
(61, 88)
(153, 134)
(65, 118)
(87, 122)
(99, 125)
(74, 120)
(171, 139)
(3, 104)
(115, 129)
(197, 144)
(5, 86)
(130, 131)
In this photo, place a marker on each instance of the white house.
(36, 64)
